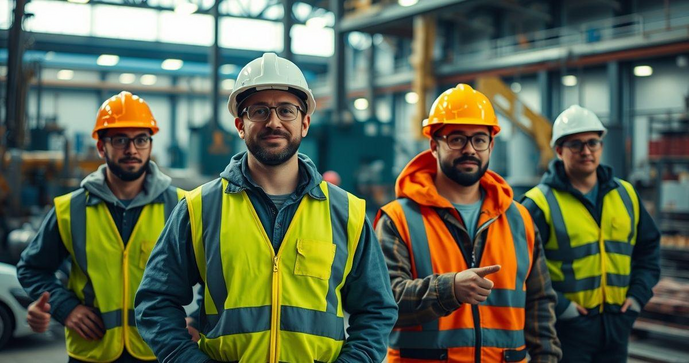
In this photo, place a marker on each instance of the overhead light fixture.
(411, 98)
(171, 64)
(107, 60)
(569, 80)
(643, 71)
(127, 78)
(228, 68)
(65, 74)
(361, 104)
(406, 3)
(316, 22)
(185, 8)
(148, 79)
(49, 55)
(516, 87)
(78, 1)
(227, 84)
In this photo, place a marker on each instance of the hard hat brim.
(123, 125)
(431, 128)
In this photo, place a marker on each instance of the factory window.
(58, 17)
(250, 34)
(313, 41)
(196, 29)
(5, 11)
(141, 24)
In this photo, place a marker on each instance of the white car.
(13, 304)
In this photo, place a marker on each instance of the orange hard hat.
(461, 105)
(124, 110)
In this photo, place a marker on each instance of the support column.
(615, 141)
(287, 22)
(215, 65)
(337, 67)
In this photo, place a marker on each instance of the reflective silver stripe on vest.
(339, 216)
(627, 200)
(514, 298)
(419, 246)
(257, 319)
(211, 212)
(77, 214)
(456, 338)
(112, 319)
(131, 318)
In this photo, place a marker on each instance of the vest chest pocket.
(314, 258)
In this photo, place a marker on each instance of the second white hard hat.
(575, 120)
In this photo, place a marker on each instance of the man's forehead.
(128, 131)
(464, 129)
(272, 97)
(584, 136)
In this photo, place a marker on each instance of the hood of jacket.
(155, 183)
(417, 182)
(238, 179)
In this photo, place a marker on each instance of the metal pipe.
(215, 65)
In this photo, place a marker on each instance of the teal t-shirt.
(592, 195)
(470, 214)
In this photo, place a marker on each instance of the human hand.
(86, 322)
(472, 287)
(38, 315)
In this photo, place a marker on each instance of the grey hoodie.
(154, 185)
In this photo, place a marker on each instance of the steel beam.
(372, 19)
(287, 22)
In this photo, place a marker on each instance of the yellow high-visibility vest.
(590, 263)
(105, 274)
(260, 306)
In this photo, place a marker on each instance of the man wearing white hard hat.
(602, 246)
(281, 253)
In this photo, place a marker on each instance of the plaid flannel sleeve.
(419, 300)
(539, 330)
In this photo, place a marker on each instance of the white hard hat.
(575, 120)
(266, 73)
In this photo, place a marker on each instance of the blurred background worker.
(107, 228)
(466, 264)
(602, 246)
(281, 254)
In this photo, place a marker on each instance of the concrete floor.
(48, 347)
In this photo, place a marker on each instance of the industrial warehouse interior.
(375, 69)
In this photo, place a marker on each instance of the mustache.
(125, 159)
(275, 132)
(464, 158)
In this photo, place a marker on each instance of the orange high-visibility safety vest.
(492, 331)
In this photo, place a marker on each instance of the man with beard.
(465, 261)
(602, 246)
(107, 228)
(281, 253)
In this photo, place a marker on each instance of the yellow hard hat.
(124, 110)
(461, 105)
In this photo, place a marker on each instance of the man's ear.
(239, 124)
(100, 146)
(434, 147)
(305, 124)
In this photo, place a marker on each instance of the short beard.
(265, 157)
(125, 175)
(450, 170)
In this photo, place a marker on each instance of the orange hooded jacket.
(492, 331)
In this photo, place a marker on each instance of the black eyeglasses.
(122, 142)
(480, 142)
(577, 146)
(261, 113)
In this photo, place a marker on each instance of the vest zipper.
(275, 311)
